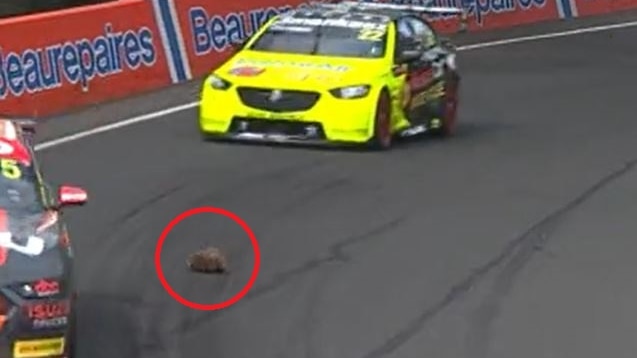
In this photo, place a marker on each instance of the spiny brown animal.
(208, 260)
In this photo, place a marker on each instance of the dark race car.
(37, 292)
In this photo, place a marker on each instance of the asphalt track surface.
(516, 238)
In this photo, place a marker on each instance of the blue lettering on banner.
(36, 70)
(215, 33)
(481, 8)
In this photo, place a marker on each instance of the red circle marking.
(214, 306)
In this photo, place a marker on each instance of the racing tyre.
(71, 350)
(448, 111)
(209, 137)
(382, 139)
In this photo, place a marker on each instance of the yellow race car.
(346, 73)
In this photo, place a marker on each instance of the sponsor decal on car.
(431, 93)
(45, 288)
(340, 22)
(270, 115)
(48, 314)
(298, 64)
(34, 245)
(39, 348)
(246, 71)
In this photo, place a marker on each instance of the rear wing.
(416, 6)
(16, 138)
(27, 125)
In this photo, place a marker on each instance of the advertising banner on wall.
(54, 61)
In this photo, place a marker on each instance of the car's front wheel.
(382, 139)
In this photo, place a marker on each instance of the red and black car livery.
(37, 293)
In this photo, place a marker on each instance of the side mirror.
(71, 196)
(409, 55)
(447, 43)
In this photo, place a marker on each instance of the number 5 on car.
(10, 169)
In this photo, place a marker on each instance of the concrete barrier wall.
(61, 60)
(58, 61)
(26, 7)
(596, 7)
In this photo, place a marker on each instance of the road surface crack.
(514, 256)
(336, 253)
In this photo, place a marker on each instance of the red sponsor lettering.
(420, 79)
(247, 71)
(46, 288)
(48, 310)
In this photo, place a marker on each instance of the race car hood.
(28, 233)
(27, 241)
(260, 69)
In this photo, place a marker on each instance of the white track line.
(113, 126)
(552, 35)
(158, 114)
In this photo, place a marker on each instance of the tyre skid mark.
(514, 256)
(336, 254)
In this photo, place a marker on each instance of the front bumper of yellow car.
(299, 116)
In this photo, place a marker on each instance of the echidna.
(208, 260)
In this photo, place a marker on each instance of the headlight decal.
(218, 83)
(351, 92)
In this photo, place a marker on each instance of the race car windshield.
(19, 191)
(322, 41)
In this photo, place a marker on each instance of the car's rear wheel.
(382, 139)
(71, 350)
(449, 107)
